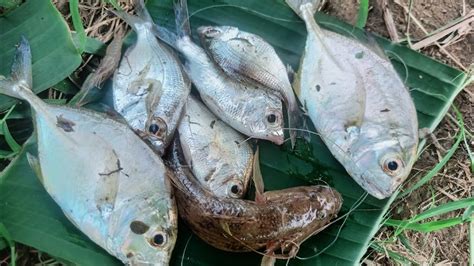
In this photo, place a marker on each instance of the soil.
(455, 180)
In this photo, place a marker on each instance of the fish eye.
(159, 239)
(157, 127)
(236, 190)
(392, 166)
(153, 128)
(271, 118)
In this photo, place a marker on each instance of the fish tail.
(182, 18)
(144, 17)
(20, 80)
(296, 5)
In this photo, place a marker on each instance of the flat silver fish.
(358, 104)
(249, 58)
(109, 183)
(218, 155)
(150, 87)
(249, 109)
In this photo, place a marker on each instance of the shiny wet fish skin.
(150, 87)
(116, 191)
(218, 156)
(250, 110)
(249, 58)
(280, 224)
(358, 104)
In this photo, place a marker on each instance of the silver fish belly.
(358, 104)
(248, 57)
(150, 87)
(218, 155)
(107, 181)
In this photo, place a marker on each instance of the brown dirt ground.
(455, 180)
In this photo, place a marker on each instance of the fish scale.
(149, 86)
(100, 173)
(218, 155)
(358, 104)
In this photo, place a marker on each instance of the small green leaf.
(78, 26)
(363, 13)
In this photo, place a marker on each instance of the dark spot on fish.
(236, 142)
(359, 55)
(318, 88)
(385, 110)
(332, 83)
(129, 255)
(139, 227)
(65, 124)
(212, 123)
(42, 18)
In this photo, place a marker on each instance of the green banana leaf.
(54, 54)
(34, 219)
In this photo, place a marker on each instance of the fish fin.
(106, 68)
(20, 71)
(182, 18)
(165, 35)
(268, 261)
(35, 165)
(297, 5)
(291, 73)
(258, 179)
(424, 132)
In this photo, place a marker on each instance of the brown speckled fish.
(279, 223)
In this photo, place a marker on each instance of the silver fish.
(359, 105)
(107, 181)
(249, 109)
(249, 58)
(218, 155)
(149, 87)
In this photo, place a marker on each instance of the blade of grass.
(114, 4)
(428, 226)
(363, 14)
(14, 146)
(78, 26)
(459, 137)
(391, 254)
(6, 235)
(471, 241)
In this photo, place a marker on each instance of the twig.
(420, 25)
(465, 21)
(389, 22)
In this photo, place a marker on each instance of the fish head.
(380, 166)
(209, 34)
(264, 118)
(150, 234)
(157, 134)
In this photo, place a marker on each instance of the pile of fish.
(178, 154)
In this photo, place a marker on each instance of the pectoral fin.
(258, 179)
(35, 165)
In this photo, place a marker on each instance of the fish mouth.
(277, 139)
(376, 191)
